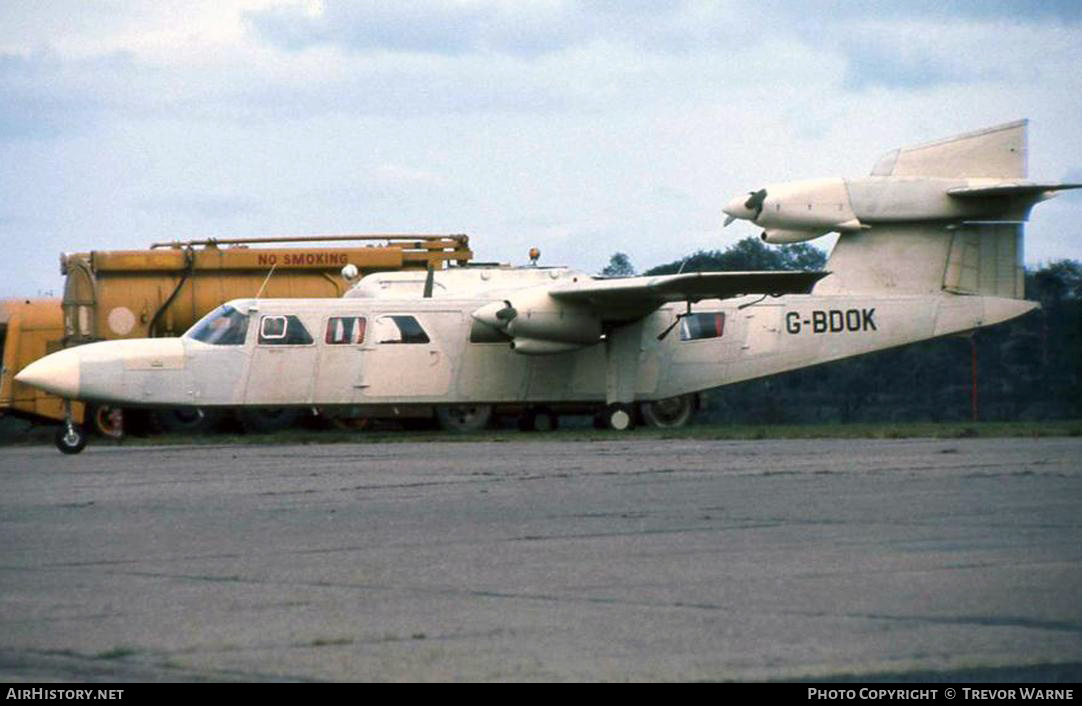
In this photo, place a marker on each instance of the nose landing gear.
(71, 437)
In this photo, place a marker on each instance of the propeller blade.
(507, 313)
(755, 202)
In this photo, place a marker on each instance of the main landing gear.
(669, 413)
(617, 416)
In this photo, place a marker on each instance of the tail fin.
(931, 257)
(998, 151)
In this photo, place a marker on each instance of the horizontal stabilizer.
(994, 152)
(1022, 189)
(650, 292)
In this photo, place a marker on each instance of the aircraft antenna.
(747, 304)
(265, 281)
(430, 280)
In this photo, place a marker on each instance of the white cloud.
(584, 128)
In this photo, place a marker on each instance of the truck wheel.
(70, 438)
(538, 419)
(669, 413)
(107, 421)
(464, 418)
(265, 421)
(619, 416)
(347, 423)
(185, 420)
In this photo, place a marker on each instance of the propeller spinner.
(748, 209)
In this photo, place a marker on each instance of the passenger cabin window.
(399, 329)
(224, 327)
(694, 327)
(283, 331)
(345, 330)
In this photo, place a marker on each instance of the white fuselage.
(445, 356)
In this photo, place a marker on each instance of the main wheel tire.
(70, 438)
(619, 416)
(186, 420)
(266, 421)
(107, 421)
(464, 418)
(669, 413)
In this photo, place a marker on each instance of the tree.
(1055, 282)
(619, 266)
(747, 255)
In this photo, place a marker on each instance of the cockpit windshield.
(225, 326)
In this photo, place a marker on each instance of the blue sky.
(582, 128)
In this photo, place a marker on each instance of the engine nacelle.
(781, 236)
(541, 324)
(532, 346)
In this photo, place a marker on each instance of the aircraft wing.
(994, 152)
(647, 293)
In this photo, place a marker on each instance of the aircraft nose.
(57, 373)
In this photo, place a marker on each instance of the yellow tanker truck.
(165, 289)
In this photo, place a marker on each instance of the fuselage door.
(342, 359)
(404, 358)
(282, 367)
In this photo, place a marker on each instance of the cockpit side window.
(345, 330)
(282, 330)
(224, 327)
(694, 327)
(399, 329)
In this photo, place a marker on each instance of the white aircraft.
(930, 246)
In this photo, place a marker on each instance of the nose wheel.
(71, 437)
